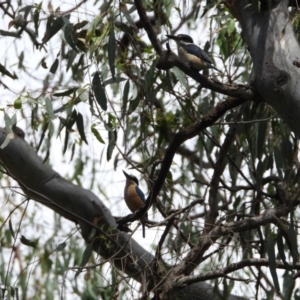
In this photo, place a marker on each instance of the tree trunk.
(274, 48)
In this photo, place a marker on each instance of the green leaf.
(133, 104)
(99, 91)
(112, 137)
(78, 169)
(14, 34)
(83, 94)
(73, 151)
(112, 122)
(112, 51)
(36, 18)
(72, 54)
(92, 29)
(293, 238)
(21, 59)
(97, 135)
(13, 120)
(127, 15)
(14, 292)
(54, 26)
(85, 257)
(113, 80)
(149, 76)
(288, 286)
(80, 25)
(269, 162)
(5, 142)
(9, 122)
(11, 228)
(259, 174)
(54, 66)
(297, 294)
(66, 93)
(49, 108)
(180, 76)
(117, 159)
(125, 98)
(68, 31)
(272, 262)
(261, 137)
(278, 159)
(237, 202)
(71, 120)
(27, 242)
(66, 140)
(223, 42)
(287, 152)
(91, 102)
(280, 247)
(80, 127)
(4, 71)
(231, 28)
(26, 10)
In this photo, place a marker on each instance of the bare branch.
(191, 261)
(262, 262)
(148, 27)
(218, 171)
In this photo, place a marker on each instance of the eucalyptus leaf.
(99, 91)
(80, 127)
(272, 262)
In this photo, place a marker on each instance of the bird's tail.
(144, 230)
(143, 224)
(213, 67)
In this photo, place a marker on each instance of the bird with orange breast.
(134, 197)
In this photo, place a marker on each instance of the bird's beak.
(173, 37)
(126, 175)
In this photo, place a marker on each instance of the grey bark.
(42, 184)
(273, 46)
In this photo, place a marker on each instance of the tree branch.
(192, 260)
(169, 59)
(218, 171)
(39, 181)
(262, 262)
(179, 138)
(148, 27)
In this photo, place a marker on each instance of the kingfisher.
(134, 197)
(190, 53)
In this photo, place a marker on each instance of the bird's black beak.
(126, 175)
(173, 37)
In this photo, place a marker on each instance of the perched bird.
(191, 54)
(134, 197)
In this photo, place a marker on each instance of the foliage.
(98, 84)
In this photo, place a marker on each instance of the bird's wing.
(140, 193)
(197, 51)
(142, 196)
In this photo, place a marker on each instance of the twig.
(187, 280)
